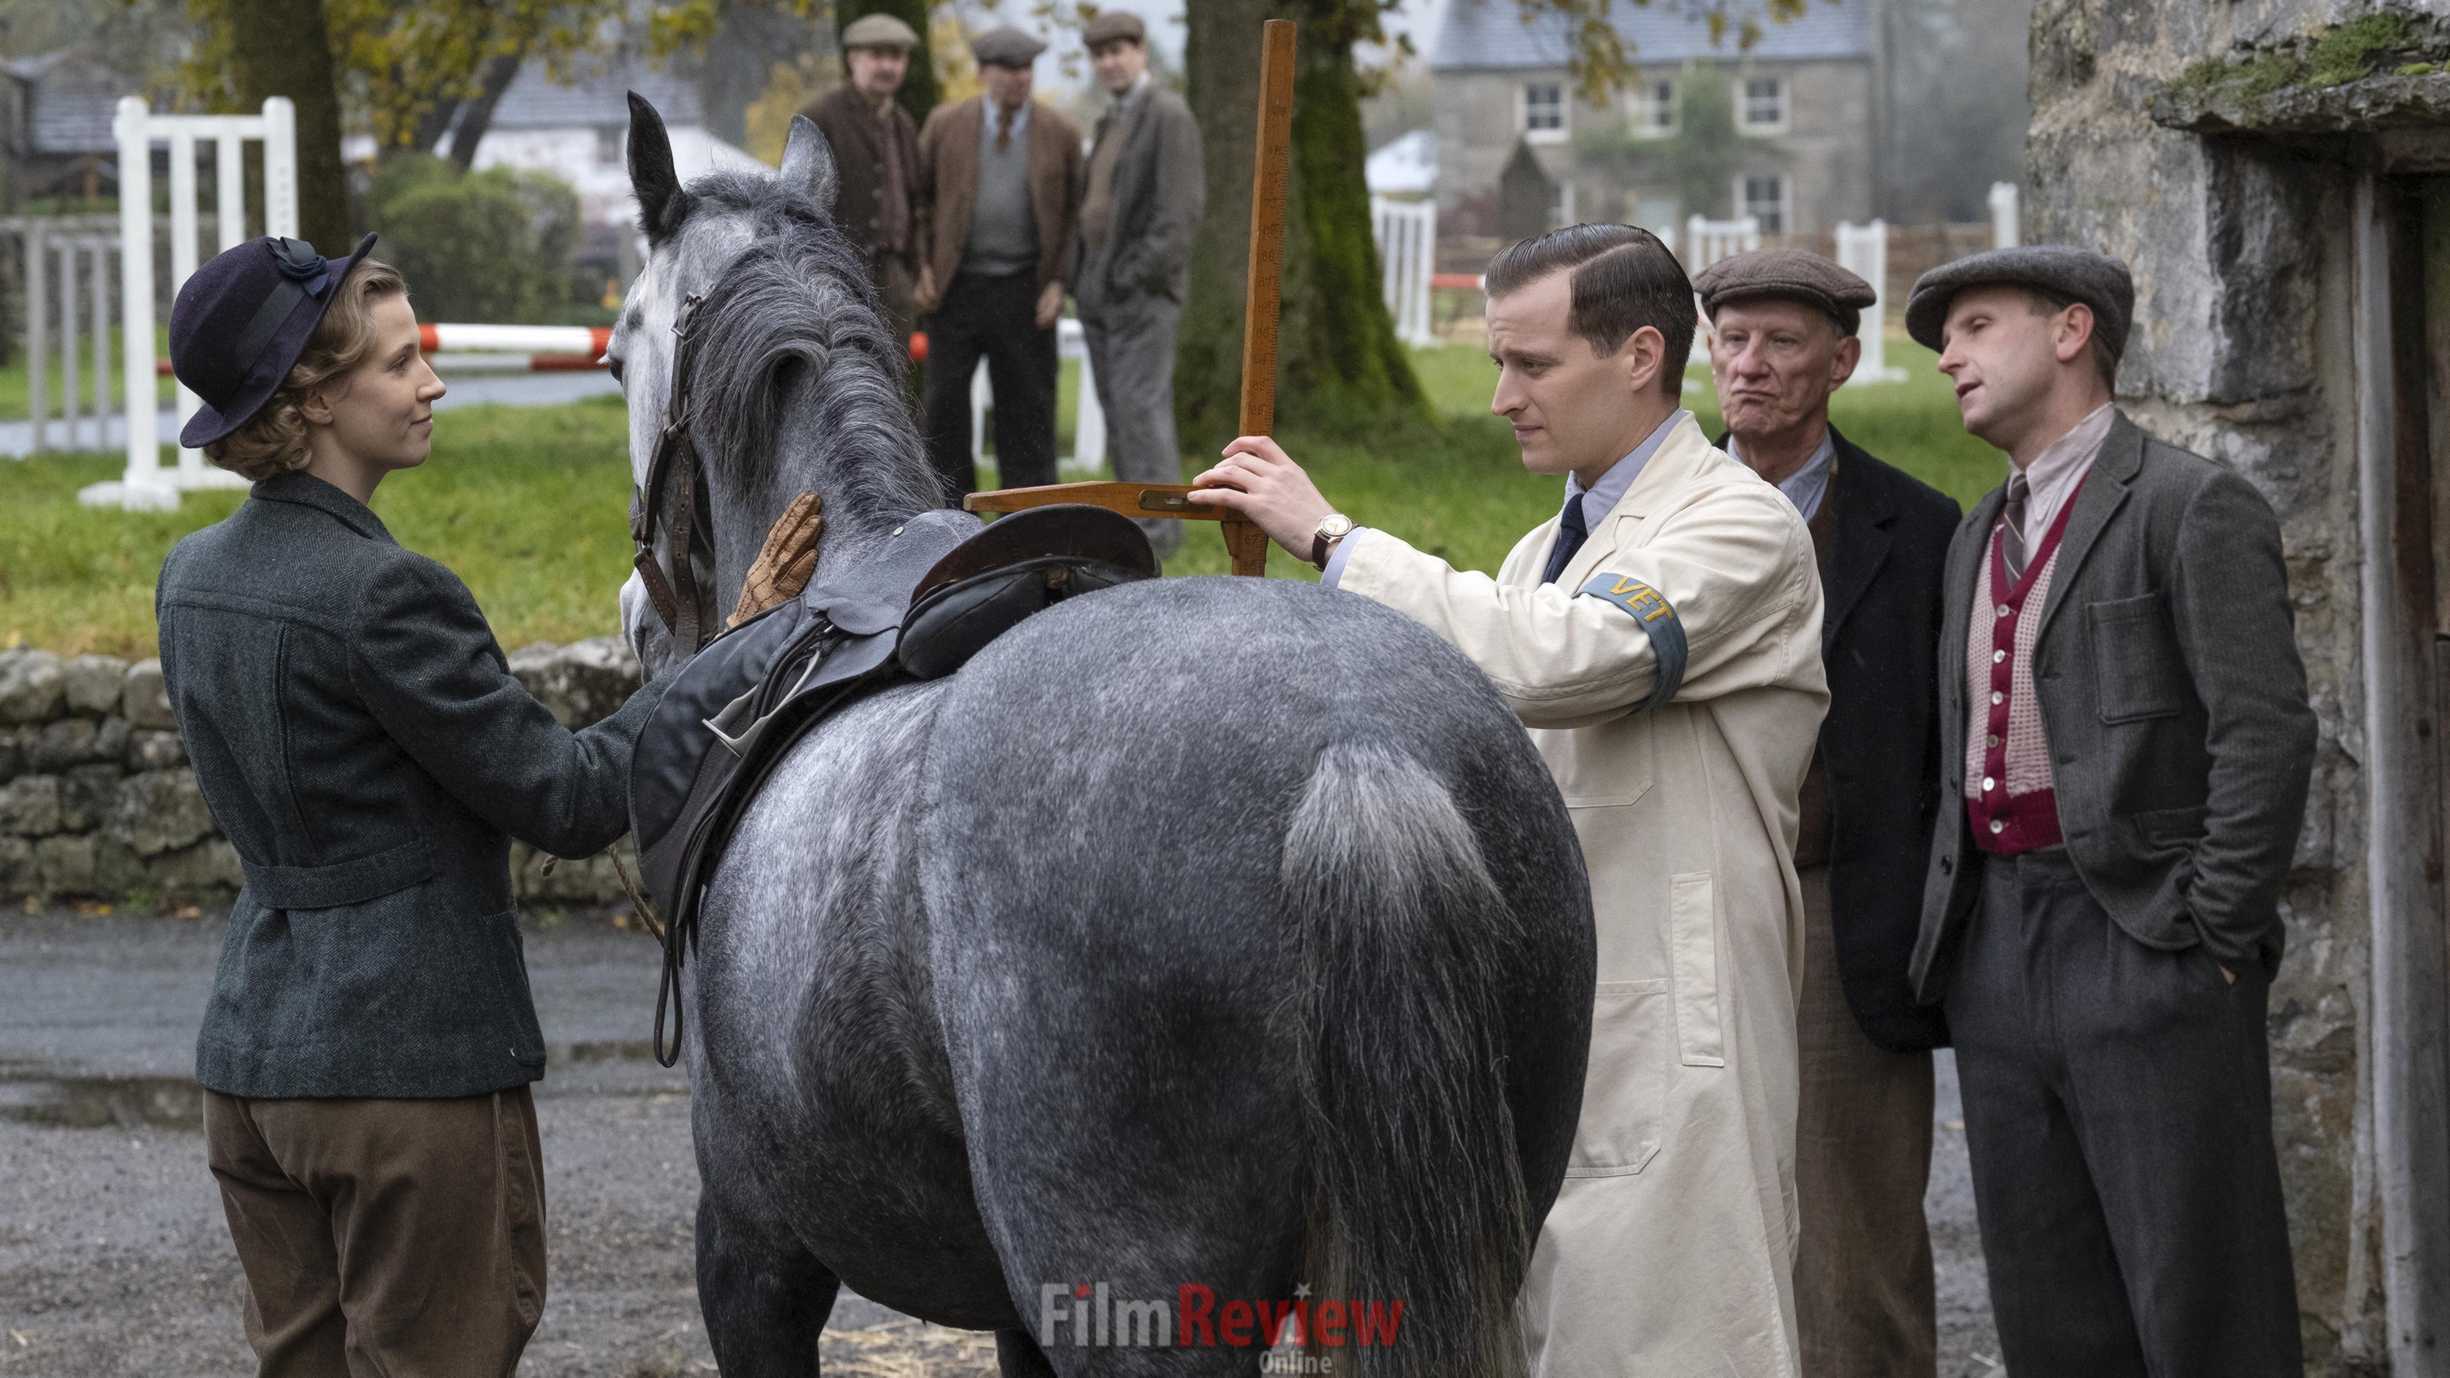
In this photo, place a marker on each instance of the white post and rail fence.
(145, 483)
(69, 268)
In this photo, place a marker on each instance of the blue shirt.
(1808, 485)
(1597, 502)
(986, 126)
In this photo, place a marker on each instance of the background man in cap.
(1661, 639)
(2125, 749)
(876, 157)
(1143, 203)
(999, 197)
(1782, 340)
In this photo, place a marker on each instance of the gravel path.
(114, 1262)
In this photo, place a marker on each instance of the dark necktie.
(1003, 129)
(2012, 536)
(1571, 533)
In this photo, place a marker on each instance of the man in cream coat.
(1661, 640)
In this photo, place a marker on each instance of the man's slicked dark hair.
(1624, 279)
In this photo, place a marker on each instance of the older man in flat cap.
(876, 158)
(1143, 205)
(999, 197)
(2125, 745)
(1782, 339)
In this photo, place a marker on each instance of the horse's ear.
(661, 202)
(808, 161)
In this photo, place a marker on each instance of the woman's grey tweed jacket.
(362, 743)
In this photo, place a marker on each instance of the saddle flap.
(672, 744)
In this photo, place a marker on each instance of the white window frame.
(1647, 114)
(1744, 121)
(1544, 134)
(1786, 201)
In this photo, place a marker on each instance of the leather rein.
(677, 464)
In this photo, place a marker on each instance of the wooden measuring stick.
(1245, 543)
(1271, 176)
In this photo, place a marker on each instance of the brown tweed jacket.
(948, 185)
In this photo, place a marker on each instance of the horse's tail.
(1418, 1185)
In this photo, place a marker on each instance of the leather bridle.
(675, 461)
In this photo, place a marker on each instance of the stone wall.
(2242, 350)
(97, 799)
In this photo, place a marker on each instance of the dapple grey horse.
(1201, 942)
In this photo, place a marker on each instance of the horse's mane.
(799, 297)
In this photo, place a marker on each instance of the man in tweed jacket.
(2125, 749)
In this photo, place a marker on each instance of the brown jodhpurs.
(390, 1238)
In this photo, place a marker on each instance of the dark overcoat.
(1879, 743)
(1160, 192)
(360, 740)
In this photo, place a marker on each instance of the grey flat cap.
(1788, 274)
(1006, 47)
(2098, 280)
(879, 31)
(1112, 26)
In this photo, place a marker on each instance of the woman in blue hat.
(367, 1051)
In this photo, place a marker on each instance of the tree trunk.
(476, 115)
(281, 48)
(918, 94)
(1341, 368)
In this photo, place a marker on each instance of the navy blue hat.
(241, 322)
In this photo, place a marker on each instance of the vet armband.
(1655, 616)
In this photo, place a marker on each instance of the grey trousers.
(2118, 1114)
(1864, 1303)
(1131, 351)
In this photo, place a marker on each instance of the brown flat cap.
(1790, 275)
(879, 31)
(2062, 270)
(1006, 47)
(1113, 26)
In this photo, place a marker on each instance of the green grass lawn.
(529, 505)
(16, 388)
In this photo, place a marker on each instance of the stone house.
(1807, 104)
(55, 124)
(2277, 174)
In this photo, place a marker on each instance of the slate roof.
(595, 95)
(70, 102)
(1491, 34)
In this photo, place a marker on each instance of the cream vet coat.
(1670, 1251)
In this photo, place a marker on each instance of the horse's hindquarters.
(1128, 964)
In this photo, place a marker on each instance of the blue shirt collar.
(1599, 501)
(1808, 485)
(986, 121)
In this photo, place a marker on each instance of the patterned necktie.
(1003, 129)
(1571, 533)
(2012, 536)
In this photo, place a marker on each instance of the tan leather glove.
(783, 567)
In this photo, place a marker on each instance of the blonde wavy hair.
(273, 441)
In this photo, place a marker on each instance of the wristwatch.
(1333, 527)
